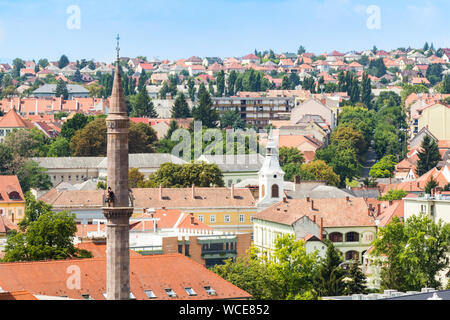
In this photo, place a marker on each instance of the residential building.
(12, 121)
(258, 110)
(349, 223)
(236, 168)
(78, 169)
(158, 277)
(437, 119)
(12, 200)
(313, 107)
(49, 91)
(224, 209)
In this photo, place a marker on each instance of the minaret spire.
(119, 211)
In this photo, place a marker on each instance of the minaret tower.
(119, 212)
(271, 177)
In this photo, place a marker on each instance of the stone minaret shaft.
(119, 213)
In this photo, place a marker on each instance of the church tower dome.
(271, 176)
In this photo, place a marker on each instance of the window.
(186, 250)
(241, 218)
(352, 255)
(180, 249)
(227, 219)
(170, 293)
(132, 297)
(210, 291)
(423, 208)
(212, 219)
(336, 237)
(201, 218)
(150, 294)
(275, 191)
(352, 237)
(2, 132)
(190, 292)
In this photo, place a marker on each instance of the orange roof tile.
(18, 295)
(8, 186)
(335, 212)
(13, 120)
(155, 273)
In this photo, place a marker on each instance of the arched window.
(352, 255)
(14, 196)
(352, 237)
(275, 191)
(263, 192)
(336, 237)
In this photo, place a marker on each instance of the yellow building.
(224, 209)
(12, 200)
(437, 119)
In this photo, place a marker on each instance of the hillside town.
(345, 194)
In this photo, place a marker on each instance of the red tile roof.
(335, 212)
(18, 295)
(13, 120)
(155, 273)
(8, 185)
(98, 249)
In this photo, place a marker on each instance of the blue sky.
(175, 29)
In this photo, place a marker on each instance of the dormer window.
(210, 291)
(171, 293)
(15, 196)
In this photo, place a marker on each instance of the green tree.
(77, 76)
(31, 175)
(355, 280)
(293, 270)
(384, 168)
(330, 273)
(415, 252)
(220, 79)
(321, 171)
(142, 138)
(59, 147)
(204, 111)
(431, 185)
(63, 61)
(429, 156)
(61, 90)
(27, 143)
(366, 91)
(91, 140)
(232, 119)
(72, 125)
(142, 105)
(248, 273)
(135, 178)
(180, 109)
(290, 155)
(33, 210)
(47, 238)
(172, 175)
(393, 195)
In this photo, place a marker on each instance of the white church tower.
(271, 177)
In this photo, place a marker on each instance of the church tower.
(271, 177)
(119, 211)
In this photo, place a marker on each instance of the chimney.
(321, 229)
(160, 192)
(379, 209)
(193, 192)
(391, 203)
(192, 218)
(308, 199)
(77, 104)
(314, 218)
(312, 204)
(37, 111)
(347, 199)
(232, 191)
